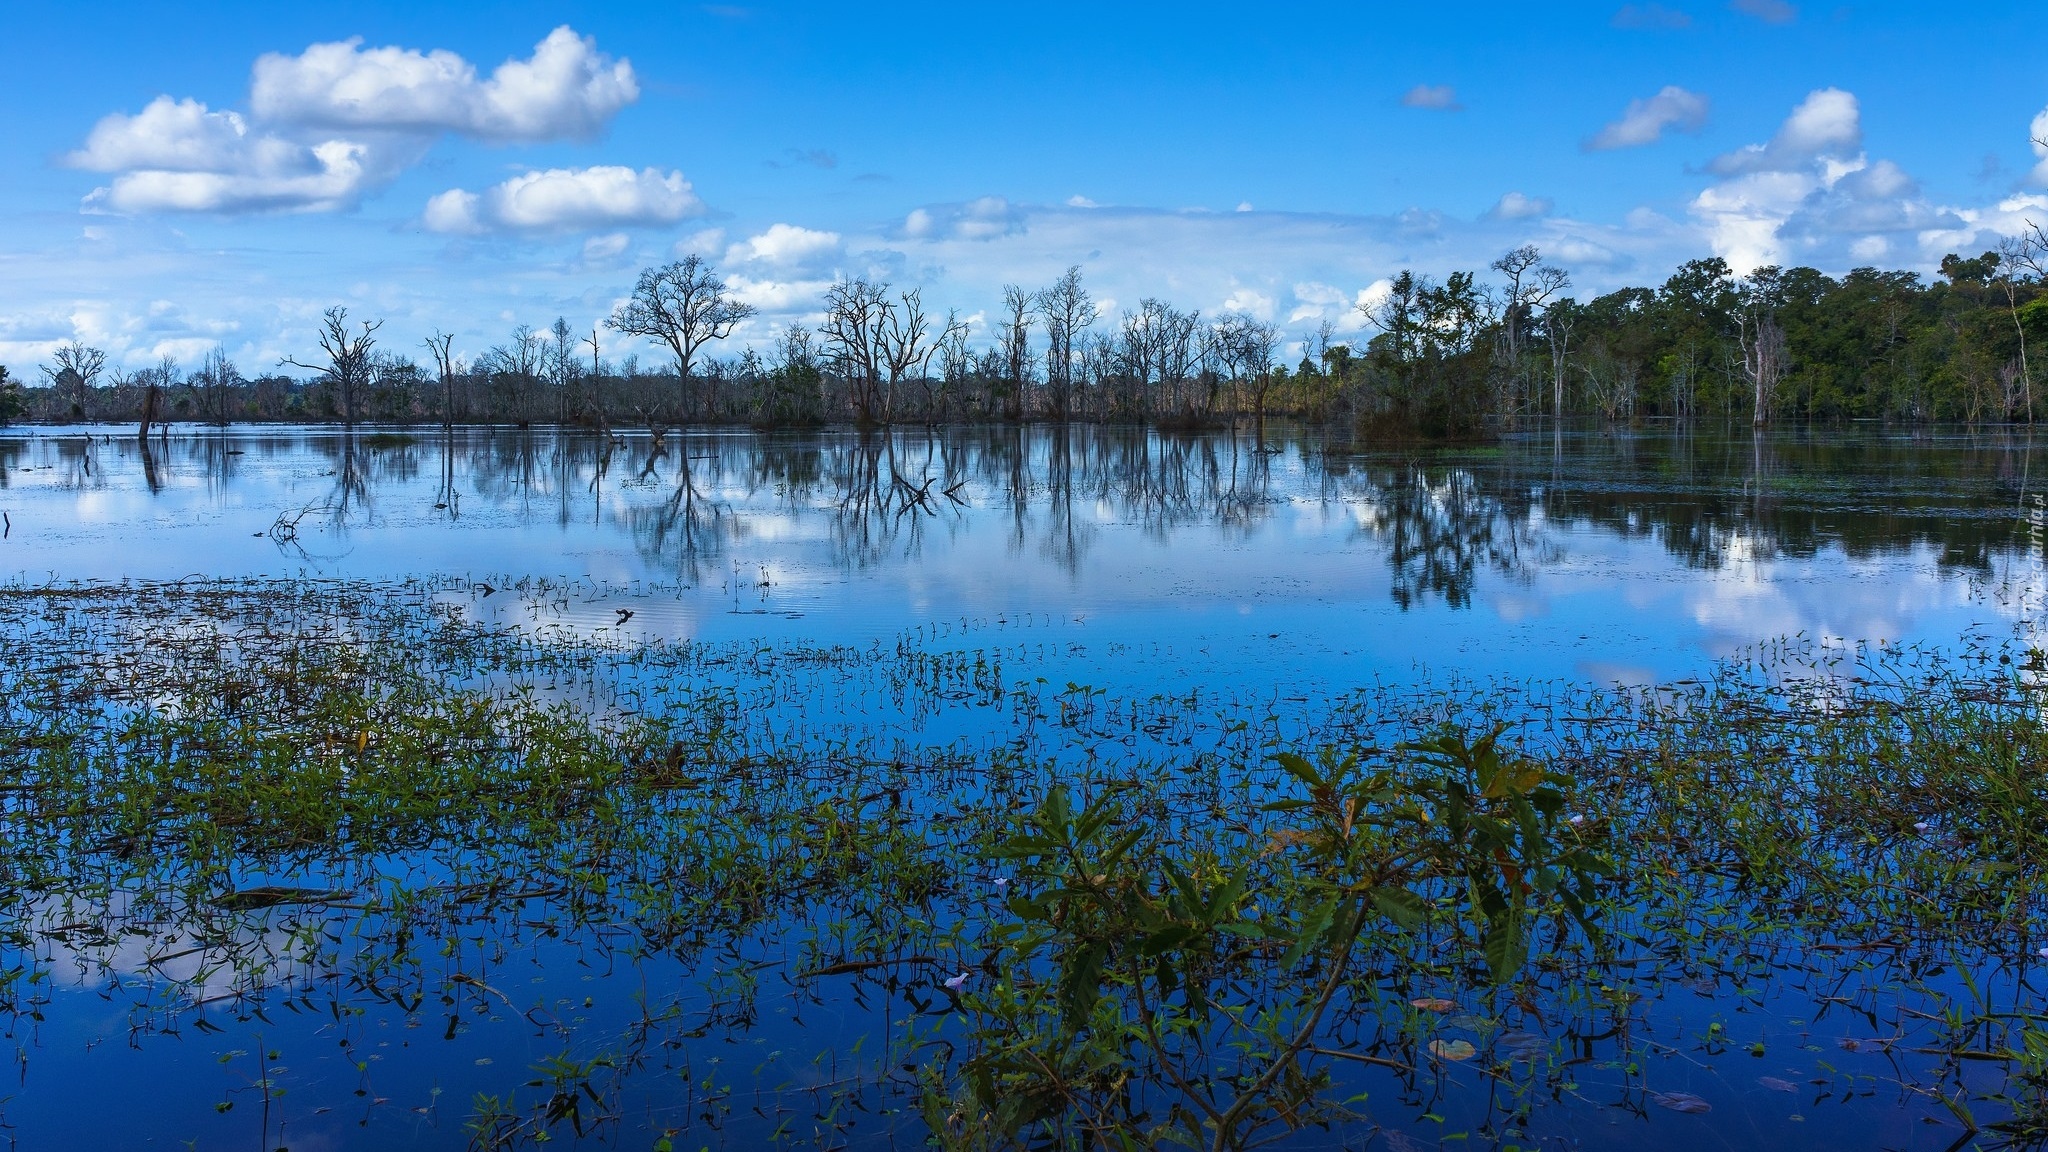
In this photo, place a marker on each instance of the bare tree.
(516, 367)
(684, 305)
(561, 366)
(1066, 310)
(855, 312)
(218, 376)
(439, 345)
(595, 396)
(1762, 339)
(955, 363)
(77, 370)
(1014, 338)
(348, 358)
(1245, 347)
(2017, 255)
(1530, 284)
(905, 347)
(1558, 321)
(154, 382)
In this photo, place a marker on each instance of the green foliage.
(13, 406)
(346, 797)
(1135, 960)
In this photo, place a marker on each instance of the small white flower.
(2042, 953)
(1921, 825)
(958, 982)
(1002, 883)
(1576, 820)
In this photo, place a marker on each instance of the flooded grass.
(337, 865)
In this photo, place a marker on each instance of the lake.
(1629, 557)
(869, 652)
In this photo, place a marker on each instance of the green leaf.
(1313, 924)
(1505, 948)
(1299, 768)
(1400, 905)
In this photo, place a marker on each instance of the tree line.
(1455, 358)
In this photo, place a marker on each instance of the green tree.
(12, 404)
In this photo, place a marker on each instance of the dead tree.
(1558, 321)
(1067, 310)
(2017, 254)
(906, 347)
(78, 369)
(440, 345)
(1530, 284)
(1014, 337)
(684, 305)
(348, 358)
(218, 376)
(1763, 357)
(855, 314)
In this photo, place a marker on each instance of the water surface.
(1150, 558)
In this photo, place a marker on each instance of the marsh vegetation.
(1120, 832)
(345, 867)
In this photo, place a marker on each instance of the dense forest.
(1471, 354)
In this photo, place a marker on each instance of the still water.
(1148, 558)
(1263, 567)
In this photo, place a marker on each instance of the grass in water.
(975, 909)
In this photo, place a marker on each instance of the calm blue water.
(1283, 567)
(1154, 559)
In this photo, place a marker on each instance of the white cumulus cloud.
(1828, 123)
(562, 199)
(1251, 302)
(1645, 121)
(785, 246)
(180, 156)
(1517, 206)
(338, 121)
(566, 89)
(1810, 195)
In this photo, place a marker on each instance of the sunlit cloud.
(561, 199)
(337, 122)
(1644, 122)
(566, 89)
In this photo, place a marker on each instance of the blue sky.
(185, 176)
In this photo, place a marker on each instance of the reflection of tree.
(78, 463)
(1710, 500)
(447, 498)
(150, 478)
(1441, 518)
(1439, 529)
(1065, 540)
(884, 491)
(688, 527)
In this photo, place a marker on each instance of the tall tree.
(684, 305)
(439, 345)
(348, 357)
(1014, 337)
(855, 313)
(1558, 321)
(77, 371)
(1530, 285)
(1067, 310)
(1764, 352)
(218, 378)
(2018, 255)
